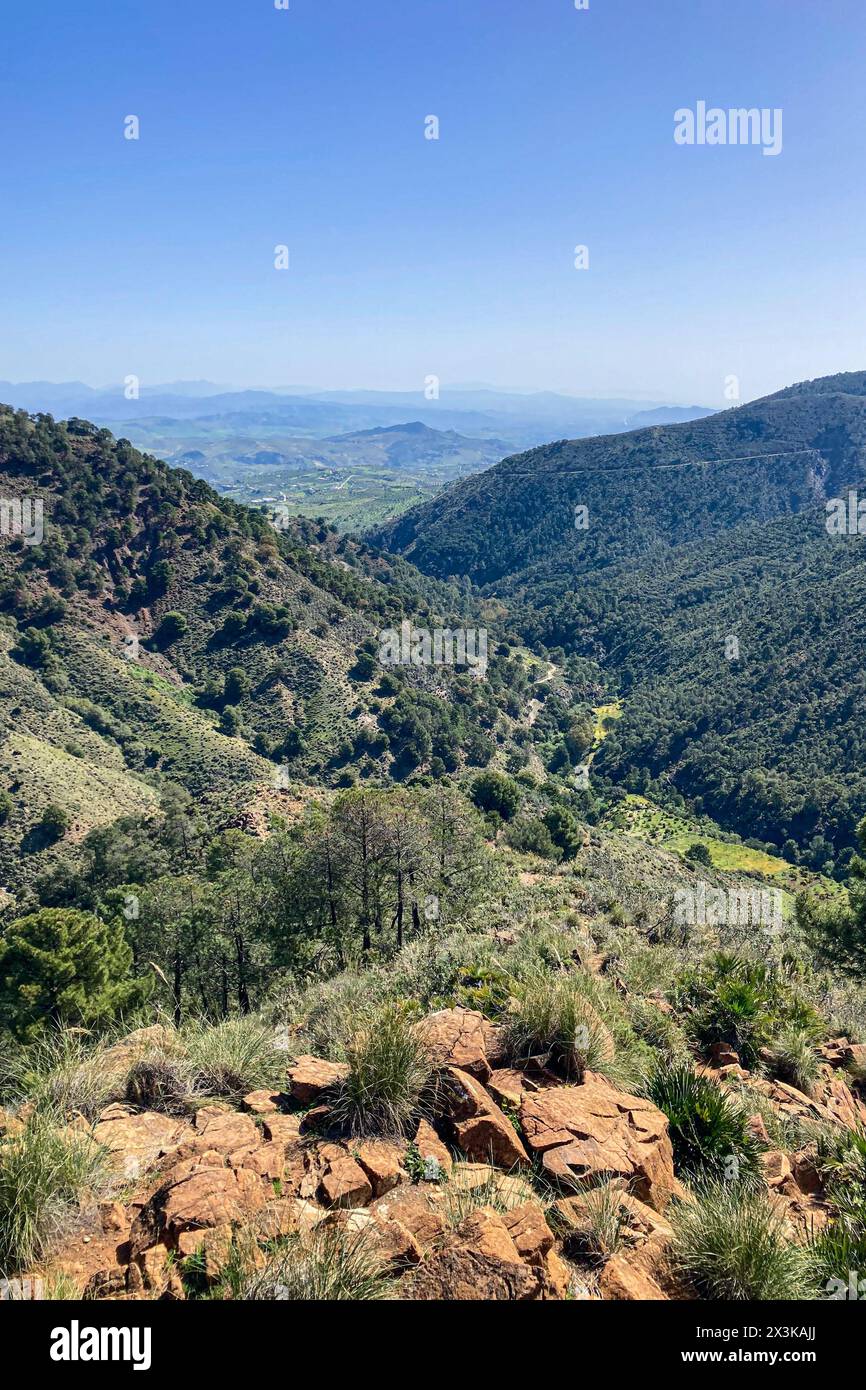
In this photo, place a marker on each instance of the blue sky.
(412, 257)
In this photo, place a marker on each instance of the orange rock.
(432, 1151)
(480, 1128)
(485, 1231)
(620, 1279)
(382, 1161)
(344, 1182)
(528, 1228)
(458, 1038)
(311, 1076)
(586, 1134)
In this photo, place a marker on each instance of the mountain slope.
(695, 533)
(159, 632)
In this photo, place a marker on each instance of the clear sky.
(410, 256)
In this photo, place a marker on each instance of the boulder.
(723, 1055)
(344, 1182)
(507, 1086)
(480, 1129)
(459, 1038)
(437, 1160)
(777, 1168)
(417, 1209)
(587, 1134)
(135, 1139)
(202, 1199)
(282, 1129)
(262, 1102)
(310, 1077)
(225, 1130)
(382, 1161)
(625, 1280)
(855, 1061)
(485, 1231)
(527, 1226)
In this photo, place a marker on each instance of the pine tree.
(60, 967)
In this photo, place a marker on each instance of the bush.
(493, 791)
(173, 626)
(698, 853)
(740, 1002)
(389, 1068)
(731, 1246)
(707, 1128)
(532, 837)
(53, 823)
(44, 1172)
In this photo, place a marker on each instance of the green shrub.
(731, 1245)
(707, 1128)
(493, 791)
(59, 967)
(741, 1002)
(531, 837)
(389, 1069)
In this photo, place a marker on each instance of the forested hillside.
(160, 633)
(702, 581)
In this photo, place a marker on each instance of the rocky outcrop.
(478, 1126)
(587, 1134)
(136, 1139)
(460, 1038)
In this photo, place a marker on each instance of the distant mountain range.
(517, 420)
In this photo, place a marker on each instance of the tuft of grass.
(62, 1073)
(389, 1070)
(841, 1247)
(731, 1246)
(791, 1057)
(708, 1129)
(158, 1082)
(555, 1021)
(330, 1265)
(233, 1057)
(45, 1170)
(603, 1231)
(501, 1191)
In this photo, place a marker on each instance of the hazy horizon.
(409, 257)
